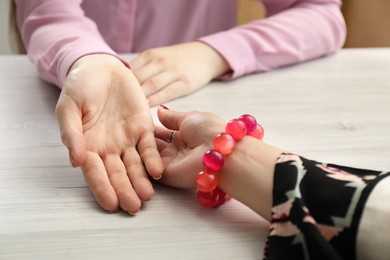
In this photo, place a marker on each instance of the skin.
(247, 174)
(105, 122)
(168, 73)
(107, 127)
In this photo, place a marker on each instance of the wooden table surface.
(335, 109)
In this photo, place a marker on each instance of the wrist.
(241, 165)
(96, 60)
(247, 174)
(217, 63)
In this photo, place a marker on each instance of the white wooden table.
(335, 109)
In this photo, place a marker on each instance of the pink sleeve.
(305, 30)
(56, 33)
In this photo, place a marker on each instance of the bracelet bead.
(208, 199)
(250, 123)
(236, 128)
(206, 181)
(224, 143)
(258, 133)
(213, 160)
(209, 195)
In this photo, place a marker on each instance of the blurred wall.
(4, 23)
(368, 23)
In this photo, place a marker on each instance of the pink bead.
(236, 128)
(224, 143)
(250, 123)
(206, 181)
(258, 133)
(213, 160)
(208, 199)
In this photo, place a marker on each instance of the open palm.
(106, 124)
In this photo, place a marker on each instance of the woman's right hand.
(106, 125)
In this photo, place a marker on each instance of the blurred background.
(4, 23)
(368, 22)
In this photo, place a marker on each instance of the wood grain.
(335, 109)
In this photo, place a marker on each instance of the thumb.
(169, 118)
(71, 129)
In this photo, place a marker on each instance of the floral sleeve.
(317, 208)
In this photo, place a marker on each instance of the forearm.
(56, 34)
(314, 205)
(304, 31)
(247, 174)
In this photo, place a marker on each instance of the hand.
(170, 72)
(247, 174)
(105, 123)
(182, 158)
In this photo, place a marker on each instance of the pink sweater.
(58, 32)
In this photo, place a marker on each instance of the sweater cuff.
(221, 44)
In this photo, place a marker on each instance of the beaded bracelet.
(209, 195)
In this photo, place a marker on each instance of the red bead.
(258, 133)
(213, 160)
(206, 181)
(224, 143)
(236, 128)
(208, 199)
(222, 197)
(250, 123)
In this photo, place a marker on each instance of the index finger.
(139, 61)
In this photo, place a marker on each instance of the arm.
(56, 33)
(103, 116)
(255, 163)
(290, 34)
(314, 208)
(294, 31)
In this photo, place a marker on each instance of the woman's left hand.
(170, 72)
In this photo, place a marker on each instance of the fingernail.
(164, 107)
(132, 213)
(157, 178)
(114, 211)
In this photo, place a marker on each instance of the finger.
(147, 149)
(128, 199)
(174, 90)
(158, 82)
(161, 132)
(169, 118)
(71, 130)
(96, 177)
(137, 174)
(147, 71)
(161, 144)
(140, 61)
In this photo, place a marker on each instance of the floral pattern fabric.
(317, 208)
